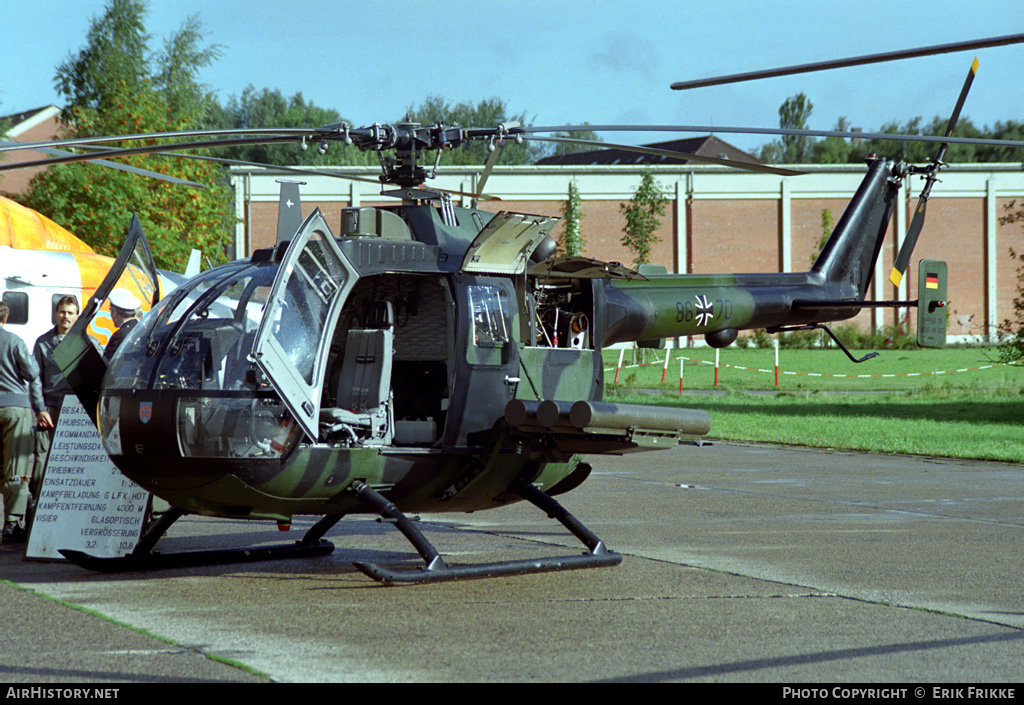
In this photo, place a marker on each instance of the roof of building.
(707, 146)
(26, 120)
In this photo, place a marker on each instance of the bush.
(1011, 331)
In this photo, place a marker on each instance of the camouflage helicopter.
(426, 357)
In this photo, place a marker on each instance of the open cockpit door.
(78, 355)
(292, 342)
(505, 244)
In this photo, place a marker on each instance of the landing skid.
(436, 570)
(312, 544)
(145, 558)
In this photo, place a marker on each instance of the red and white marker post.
(776, 362)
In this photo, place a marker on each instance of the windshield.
(200, 337)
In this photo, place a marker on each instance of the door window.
(312, 282)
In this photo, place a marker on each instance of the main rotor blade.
(124, 167)
(776, 131)
(746, 166)
(309, 171)
(258, 134)
(71, 158)
(854, 61)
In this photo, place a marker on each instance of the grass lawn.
(973, 409)
(815, 370)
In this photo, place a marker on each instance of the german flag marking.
(931, 281)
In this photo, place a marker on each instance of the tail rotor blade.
(492, 159)
(899, 267)
(963, 97)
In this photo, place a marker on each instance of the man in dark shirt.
(53, 384)
(19, 398)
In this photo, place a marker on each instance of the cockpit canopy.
(200, 337)
(198, 342)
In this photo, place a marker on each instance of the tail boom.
(696, 304)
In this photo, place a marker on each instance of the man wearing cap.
(19, 397)
(125, 311)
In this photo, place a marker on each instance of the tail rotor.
(930, 173)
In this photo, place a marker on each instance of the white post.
(776, 362)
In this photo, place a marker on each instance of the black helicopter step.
(313, 545)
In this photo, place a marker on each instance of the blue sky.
(566, 62)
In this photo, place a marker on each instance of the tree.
(115, 86)
(96, 203)
(833, 150)
(642, 213)
(1011, 330)
(791, 149)
(5, 125)
(827, 226)
(115, 55)
(793, 114)
(1009, 130)
(270, 108)
(178, 65)
(571, 241)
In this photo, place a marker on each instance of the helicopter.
(426, 357)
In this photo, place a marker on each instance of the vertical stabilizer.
(289, 211)
(849, 254)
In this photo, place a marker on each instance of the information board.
(85, 503)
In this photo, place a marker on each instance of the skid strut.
(436, 570)
(145, 558)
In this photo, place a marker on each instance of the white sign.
(85, 503)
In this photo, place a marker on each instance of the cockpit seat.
(363, 387)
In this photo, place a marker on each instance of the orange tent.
(24, 229)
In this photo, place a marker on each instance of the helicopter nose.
(181, 439)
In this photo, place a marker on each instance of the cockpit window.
(235, 427)
(492, 320)
(307, 297)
